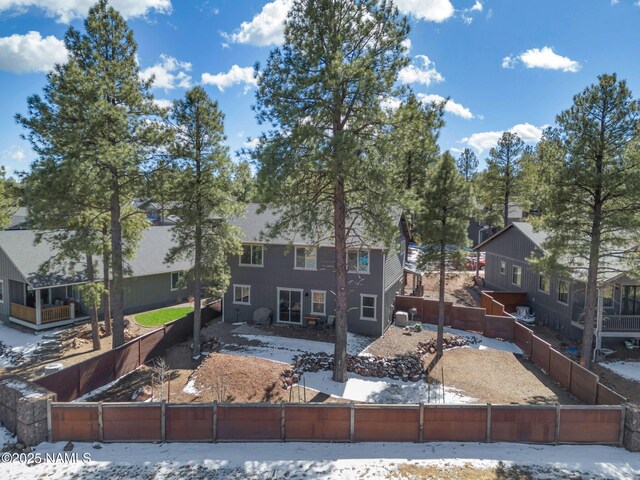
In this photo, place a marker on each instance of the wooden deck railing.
(55, 314)
(49, 314)
(621, 323)
(23, 312)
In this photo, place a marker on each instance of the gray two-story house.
(296, 280)
(558, 301)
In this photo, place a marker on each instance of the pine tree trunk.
(339, 214)
(197, 295)
(440, 341)
(591, 300)
(117, 287)
(93, 311)
(106, 274)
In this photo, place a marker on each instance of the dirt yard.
(459, 288)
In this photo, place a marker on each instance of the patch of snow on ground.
(628, 370)
(283, 349)
(5, 436)
(19, 341)
(478, 341)
(87, 396)
(319, 460)
(190, 387)
(383, 390)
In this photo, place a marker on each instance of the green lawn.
(160, 317)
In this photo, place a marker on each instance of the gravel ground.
(396, 342)
(494, 376)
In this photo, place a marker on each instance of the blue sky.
(504, 64)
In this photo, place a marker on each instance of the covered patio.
(41, 308)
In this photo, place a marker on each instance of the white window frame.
(375, 307)
(568, 291)
(179, 274)
(324, 303)
(301, 291)
(237, 285)
(513, 271)
(1, 291)
(503, 267)
(252, 246)
(358, 251)
(304, 267)
(548, 290)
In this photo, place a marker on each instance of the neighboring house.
(157, 213)
(295, 280)
(19, 219)
(478, 232)
(559, 301)
(31, 299)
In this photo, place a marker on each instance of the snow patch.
(87, 396)
(190, 387)
(628, 370)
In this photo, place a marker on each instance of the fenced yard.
(225, 422)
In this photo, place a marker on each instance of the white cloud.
(477, 7)
(484, 141)
(407, 44)
(235, 76)
(451, 107)
(430, 10)
(266, 28)
(253, 143)
(66, 10)
(424, 75)
(169, 73)
(31, 53)
(163, 102)
(544, 58)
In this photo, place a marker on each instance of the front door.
(289, 305)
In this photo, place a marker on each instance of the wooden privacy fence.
(227, 422)
(577, 380)
(77, 380)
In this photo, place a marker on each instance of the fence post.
(100, 423)
(49, 421)
(623, 412)
(421, 431)
(352, 424)
(215, 421)
(163, 420)
(488, 422)
(557, 434)
(282, 424)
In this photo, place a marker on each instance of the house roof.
(537, 237)
(611, 268)
(254, 225)
(149, 259)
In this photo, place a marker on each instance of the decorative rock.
(68, 447)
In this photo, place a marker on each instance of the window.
(368, 307)
(318, 302)
(607, 297)
(73, 291)
(503, 267)
(306, 258)
(358, 261)
(563, 292)
(516, 275)
(543, 283)
(251, 255)
(631, 300)
(177, 281)
(242, 294)
(1, 291)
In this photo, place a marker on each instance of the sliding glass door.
(290, 305)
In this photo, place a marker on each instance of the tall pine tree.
(467, 164)
(443, 219)
(591, 163)
(204, 198)
(322, 165)
(97, 111)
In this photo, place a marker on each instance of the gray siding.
(514, 248)
(8, 272)
(389, 299)
(279, 272)
(151, 291)
(394, 263)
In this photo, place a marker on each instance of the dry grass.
(395, 342)
(459, 288)
(467, 471)
(494, 376)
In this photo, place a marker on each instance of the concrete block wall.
(632, 428)
(23, 409)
